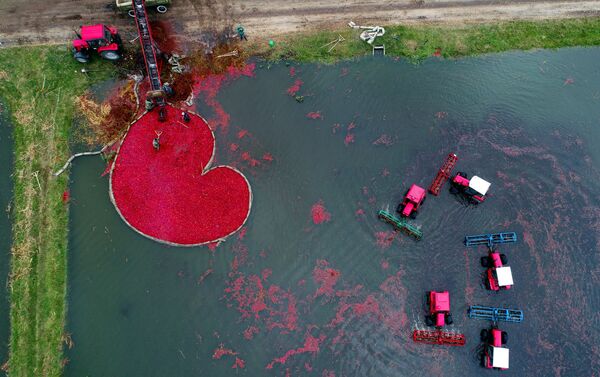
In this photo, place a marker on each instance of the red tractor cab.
(100, 38)
(415, 196)
(498, 274)
(473, 189)
(438, 313)
(494, 355)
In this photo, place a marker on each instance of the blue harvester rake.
(495, 314)
(491, 239)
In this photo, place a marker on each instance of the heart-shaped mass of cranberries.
(170, 193)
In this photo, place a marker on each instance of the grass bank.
(419, 42)
(39, 85)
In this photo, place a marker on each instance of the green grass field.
(419, 42)
(39, 85)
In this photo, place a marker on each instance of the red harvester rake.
(443, 174)
(438, 337)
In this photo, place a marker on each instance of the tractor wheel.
(161, 9)
(503, 259)
(117, 39)
(464, 175)
(483, 335)
(449, 320)
(453, 190)
(81, 57)
(110, 55)
(504, 337)
(428, 320)
(484, 360)
(485, 261)
(413, 215)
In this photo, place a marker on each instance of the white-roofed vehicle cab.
(500, 357)
(474, 189)
(480, 185)
(504, 275)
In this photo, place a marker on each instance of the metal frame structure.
(400, 224)
(491, 239)
(495, 314)
(148, 50)
(443, 174)
(438, 337)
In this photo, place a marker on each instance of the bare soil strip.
(38, 21)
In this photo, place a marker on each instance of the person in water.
(156, 140)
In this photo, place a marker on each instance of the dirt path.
(41, 21)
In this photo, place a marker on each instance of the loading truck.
(161, 6)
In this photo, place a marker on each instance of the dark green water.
(528, 122)
(6, 163)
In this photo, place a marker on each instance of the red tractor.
(439, 309)
(494, 355)
(498, 274)
(415, 196)
(101, 38)
(473, 189)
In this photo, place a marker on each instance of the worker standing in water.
(156, 140)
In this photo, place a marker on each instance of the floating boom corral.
(141, 19)
(495, 314)
(491, 239)
(438, 337)
(400, 224)
(443, 174)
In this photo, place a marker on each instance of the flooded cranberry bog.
(314, 284)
